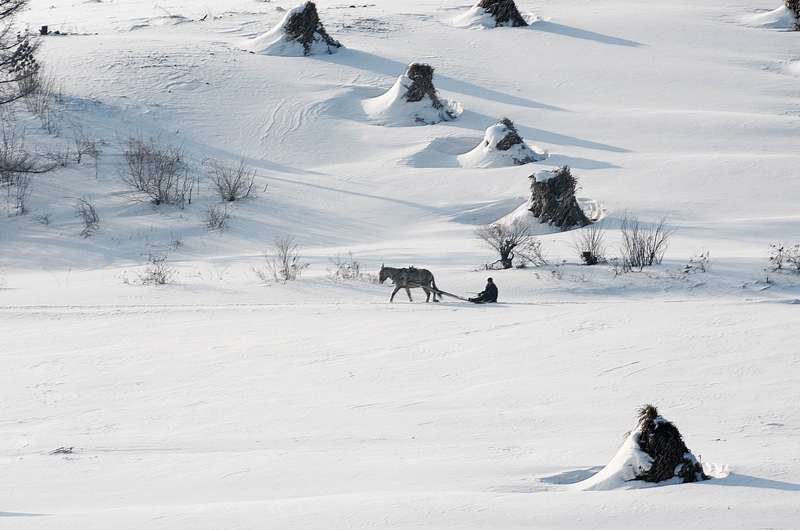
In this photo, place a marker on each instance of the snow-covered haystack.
(502, 146)
(491, 14)
(553, 198)
(299, 33)
(413, 98)
(652, 452)
(785, 17)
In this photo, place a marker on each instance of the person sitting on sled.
(489, 294)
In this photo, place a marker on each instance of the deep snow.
(222, 402)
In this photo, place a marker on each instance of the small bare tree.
(84, 208)
(283, 261)
(643, 245)
(161, 172)
(233, 183)
(511, 239)
(589, 243)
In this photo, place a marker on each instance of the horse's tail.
(433, 283)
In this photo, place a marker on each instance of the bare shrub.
(44, 90)
(283, 262)
(784, 258)
(794, 5)
(589, 244)
(233, 183)
(643, 245)
(84, 208)
(20, 190)
(43, 218)
(85, 144)
(157, 271)
(511, 239)
(344, 270)
(14, 156)
(217, 217)
(159, 171)
(698, 263)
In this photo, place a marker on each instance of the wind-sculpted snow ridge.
(782, 18)
(493, 14)
(653, 452)
(299, 33)
(502, 146)
(412, 99)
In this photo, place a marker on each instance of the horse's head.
(383, 274)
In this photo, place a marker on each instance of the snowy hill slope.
(219, 401)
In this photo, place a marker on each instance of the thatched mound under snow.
(652, 452)
(502, 146)
(491, 14)
(412, 99)
(553, 198)
(299, 33)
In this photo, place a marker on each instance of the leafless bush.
(511, 239)
(643, 245)
(43, 218)
(217, 217)
(157, 271)
(784, 258)
(85, 144)
(44, 93)
(84, 208)
(589, 243)
(159, 171)
(349, 269)
(698, 263)
(14, 157)
(283, 262)
(233, 183)
(20, 190)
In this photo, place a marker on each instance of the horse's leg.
(409, 294)
(396, 288)
(428, 294)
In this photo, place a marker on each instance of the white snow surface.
(218, 401)
(274, 42)
(486, 153)
(392, 108)
(780, 18)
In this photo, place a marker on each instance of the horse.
(409, 278)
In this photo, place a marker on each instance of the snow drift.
(502, 146)
(412, 98)
(781, 18)
(299, 33)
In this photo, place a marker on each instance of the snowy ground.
(220, 402)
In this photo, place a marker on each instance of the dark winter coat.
(489, 294)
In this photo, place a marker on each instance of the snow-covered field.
(219, 401)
